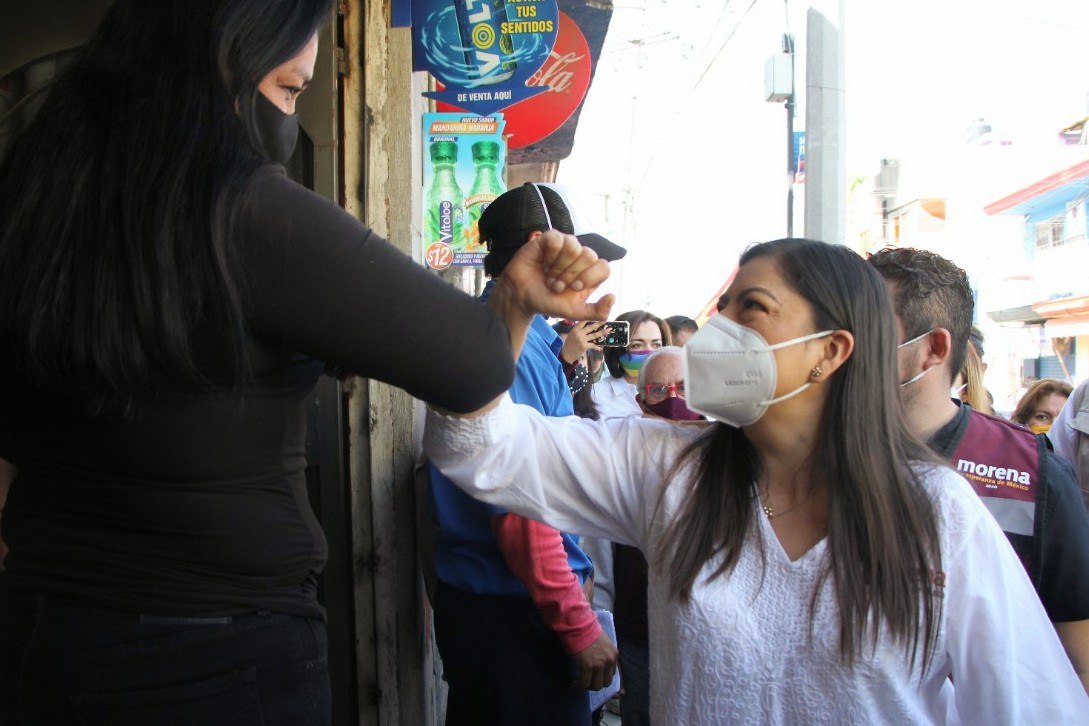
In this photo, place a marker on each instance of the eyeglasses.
(655, 392)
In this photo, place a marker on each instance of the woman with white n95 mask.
(810, 561)
(735, 373)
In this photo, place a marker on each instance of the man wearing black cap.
(513, 216)
(519, 640)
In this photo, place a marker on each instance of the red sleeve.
(535, 554)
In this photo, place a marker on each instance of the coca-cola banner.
(566, 75)
(483, 51)
(562, 73)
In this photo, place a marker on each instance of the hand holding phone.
(614, 334)
(582, 337)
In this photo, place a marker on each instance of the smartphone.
(615, 334)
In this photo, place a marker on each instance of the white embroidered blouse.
(746, 648)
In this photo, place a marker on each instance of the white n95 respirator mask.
(730, 373)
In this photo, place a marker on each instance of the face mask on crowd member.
(731, 373)
(1041, 404)
(632, 361)
(661, 388)
(672, 407)
(908, 344)
(646, 337)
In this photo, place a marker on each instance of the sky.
(685, 162)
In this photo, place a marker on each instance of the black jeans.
(67, 662)
(503, 664)
(635, 670)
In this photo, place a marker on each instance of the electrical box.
(779, 78)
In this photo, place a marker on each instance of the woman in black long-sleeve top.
(168, 299)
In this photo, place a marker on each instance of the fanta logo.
(993, 472)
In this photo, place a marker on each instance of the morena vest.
(1003, 462)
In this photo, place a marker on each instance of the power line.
(714, 29)
(1054, 24)
(691, 91)
(725, 43)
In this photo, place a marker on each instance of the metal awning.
(1051, 191)
(1023, 314)
(1064, 307)
(1066, 317)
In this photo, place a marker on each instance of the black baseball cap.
(512, 216)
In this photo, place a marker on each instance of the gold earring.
(816, 372)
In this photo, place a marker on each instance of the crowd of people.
(801, 510)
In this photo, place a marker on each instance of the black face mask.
(278, 131)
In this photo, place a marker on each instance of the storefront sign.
(400, 13)
(799, 157)
(462, 172)
(566, 75)
(483, 51)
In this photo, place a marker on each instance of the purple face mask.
(674, 409)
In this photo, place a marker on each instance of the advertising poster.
(483, 51)
(799, 157)
(566, 75)
(462, 173)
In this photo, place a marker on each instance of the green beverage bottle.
(486, 187)
(445, 213)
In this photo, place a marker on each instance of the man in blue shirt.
(518, 638)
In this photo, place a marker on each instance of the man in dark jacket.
(1032, 493)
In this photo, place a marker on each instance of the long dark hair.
(882, 530)
(634, 318)
(120, 200)
(584, 404)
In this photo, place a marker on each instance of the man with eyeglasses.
(660, 390)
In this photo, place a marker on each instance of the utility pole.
(825, 143)
(792, 162)
(779, 87)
